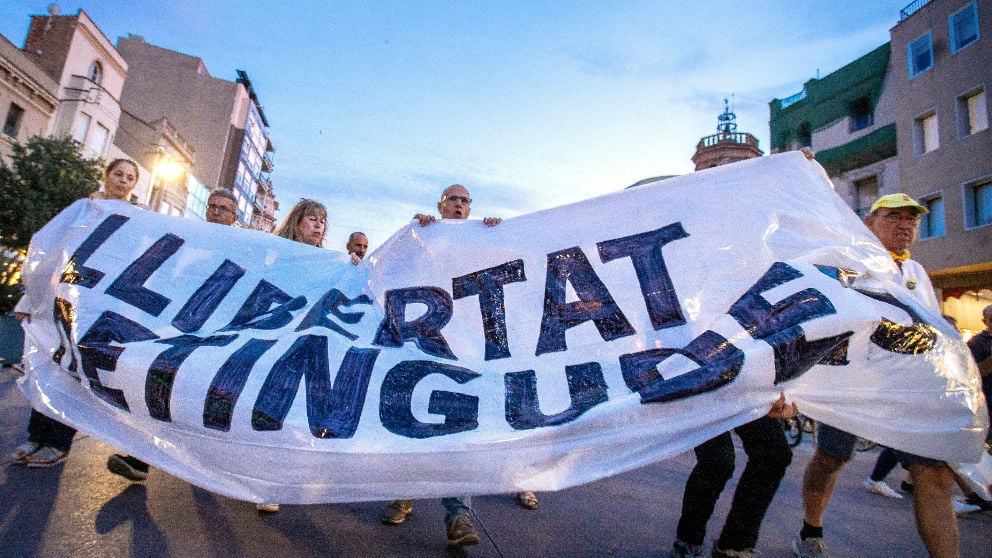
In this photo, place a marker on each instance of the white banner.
(555, 349)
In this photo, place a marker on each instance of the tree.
(46, 175)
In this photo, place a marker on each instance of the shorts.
(840, 445)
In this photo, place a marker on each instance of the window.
(99, 142)
(861, 114)
(96, 72)
(964, 27)
(925, 138)
(865, 192)
(81, 128)
(932, 224)
(978, 203)
(973, 115)
(804, 136)
(12, 124)
(920, 54)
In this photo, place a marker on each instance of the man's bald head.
(455, 202)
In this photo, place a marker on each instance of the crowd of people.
(894, 219)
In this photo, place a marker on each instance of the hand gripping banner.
(554, 349)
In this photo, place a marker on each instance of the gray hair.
(224, 193)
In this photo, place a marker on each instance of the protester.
(768, 456)
(305, 223)
(357, 245)
(895, 220)
(981, 350)
(455, 204)
(222, 209)
(49, 440)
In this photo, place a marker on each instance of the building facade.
(942, 68)
(848, 119)
(28, 98)
(222, 120)
(90, 74)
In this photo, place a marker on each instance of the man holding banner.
(455, 204)
(895, 220)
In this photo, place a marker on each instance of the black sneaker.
(128, 467)
(977, 500)
(906, 487)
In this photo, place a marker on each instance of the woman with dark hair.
(49, 440)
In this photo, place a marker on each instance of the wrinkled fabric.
(554, 349)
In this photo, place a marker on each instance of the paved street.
(78, 509)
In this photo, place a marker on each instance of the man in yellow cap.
(895, 220)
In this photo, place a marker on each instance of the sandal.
(45, 457)
(22, 451)
(527, 500)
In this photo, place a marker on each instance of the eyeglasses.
(900, 217)
(220, 208)
(464, 199)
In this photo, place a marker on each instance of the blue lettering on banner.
(78, 274)
(65, 322)
(129, 285)
(586, 389)
(595, 302)
(331, 412)
(779, 324)
(208, 297)
(162, 372)
(331, 303)
(425, 331)
(488, 284)
(920, 337)
(645, 252)
(268, 307)
(719, 364)
(228, 383)
(460, 411)
(97, 351)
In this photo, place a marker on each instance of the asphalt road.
(78, 509)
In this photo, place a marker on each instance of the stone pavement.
(78, 509)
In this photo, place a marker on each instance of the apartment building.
(222, 121)
(942, 69)
(28, 98)
(847, 118)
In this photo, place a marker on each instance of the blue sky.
(375, 107)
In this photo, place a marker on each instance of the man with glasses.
(222, 207)
(221, 210)
(895, 220)
(455, 204)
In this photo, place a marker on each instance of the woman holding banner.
(49, 440)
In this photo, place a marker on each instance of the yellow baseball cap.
(898, 200)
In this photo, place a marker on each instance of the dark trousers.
(886, 461)
(768, 456)
(49, 432)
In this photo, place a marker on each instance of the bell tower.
(727, 145)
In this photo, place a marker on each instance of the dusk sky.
(375, 107)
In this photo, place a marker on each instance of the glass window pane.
(978, 116)
(964, 28)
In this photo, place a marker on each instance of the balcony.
(912, 8)
(742, 138)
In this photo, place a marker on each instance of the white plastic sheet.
(555, 349)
